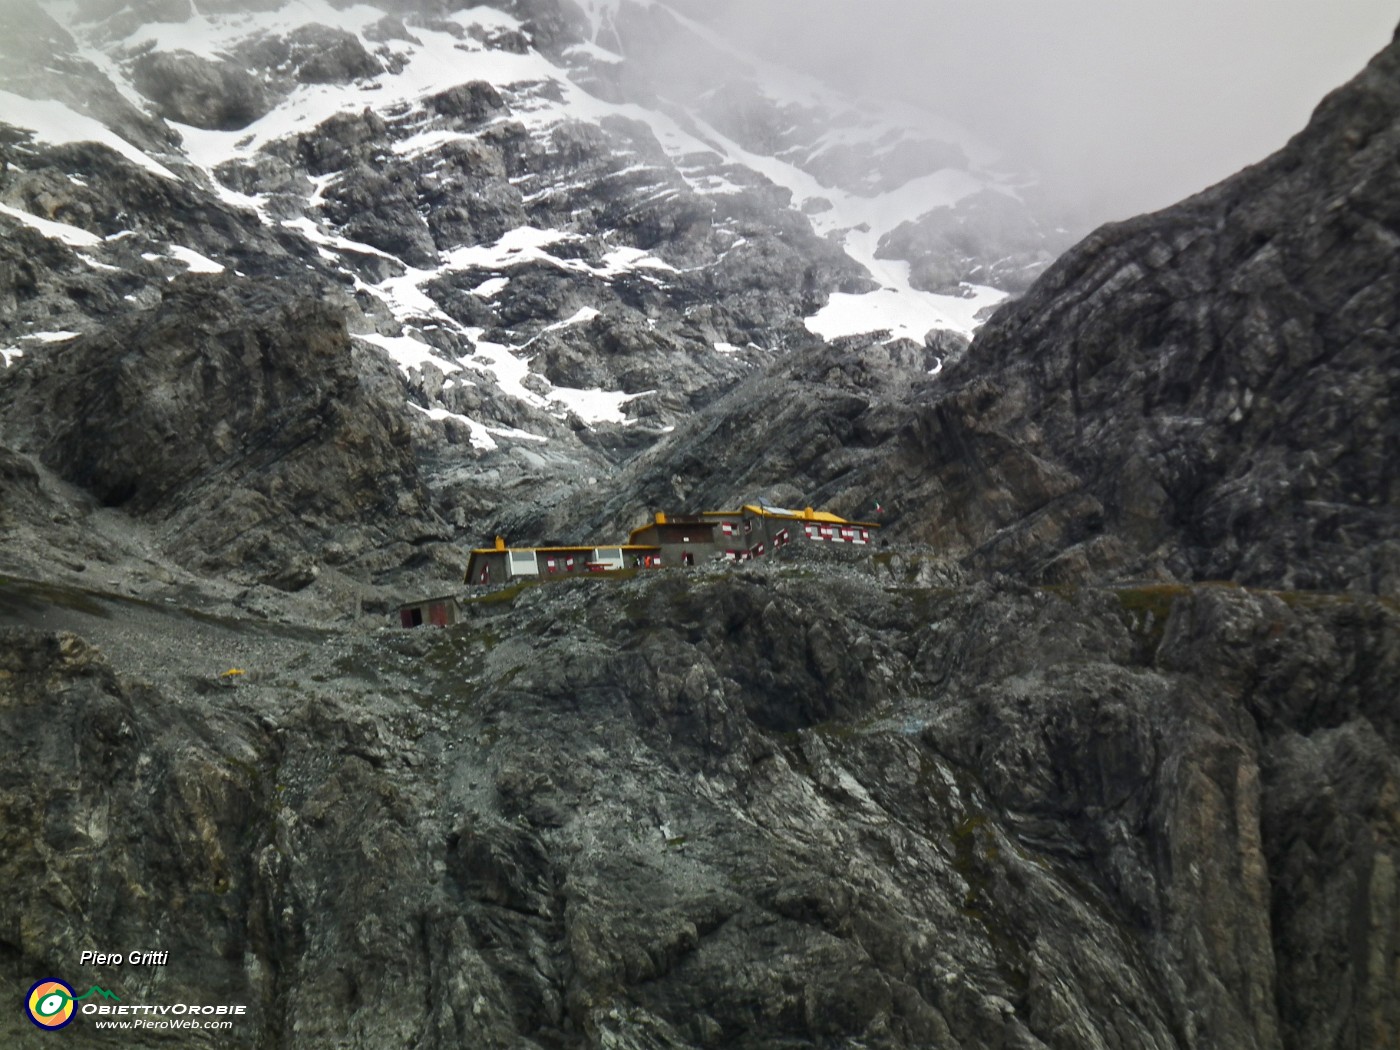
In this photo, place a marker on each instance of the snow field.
(438, 59)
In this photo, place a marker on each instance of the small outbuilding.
(439, 612)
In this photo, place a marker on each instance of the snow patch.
(491, 287)
(904, 315)
(581, 316)
(620, 260)
(51, 337)
(98, 265)
(211, 36)
(55, 123)
(60, 231)
(481, 436)
(522, 244)
(595, 406)
(408, 352)
(197, 263)
(510, 371)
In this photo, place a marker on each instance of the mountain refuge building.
(751, 531)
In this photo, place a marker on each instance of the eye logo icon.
(50, 1004)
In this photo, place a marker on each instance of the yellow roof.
(807, 514)
(760, 511)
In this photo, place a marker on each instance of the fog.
(1121, 106)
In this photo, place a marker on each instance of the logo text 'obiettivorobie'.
(50, 1002)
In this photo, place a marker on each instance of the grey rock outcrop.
(238, 416)
(218, 96)
(315, 54)
(988, 238)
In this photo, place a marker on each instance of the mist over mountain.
(1121, 108)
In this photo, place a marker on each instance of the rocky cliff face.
(781, 806)
(238, 418)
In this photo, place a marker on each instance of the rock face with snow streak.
(194, 90)
(565, 253)
(988, 238)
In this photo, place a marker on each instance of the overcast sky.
(1126, 105)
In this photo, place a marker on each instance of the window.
(551, 565)
(608, 558)
(523, 563)
(569, 563)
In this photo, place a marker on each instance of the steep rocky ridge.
(1208, 392)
